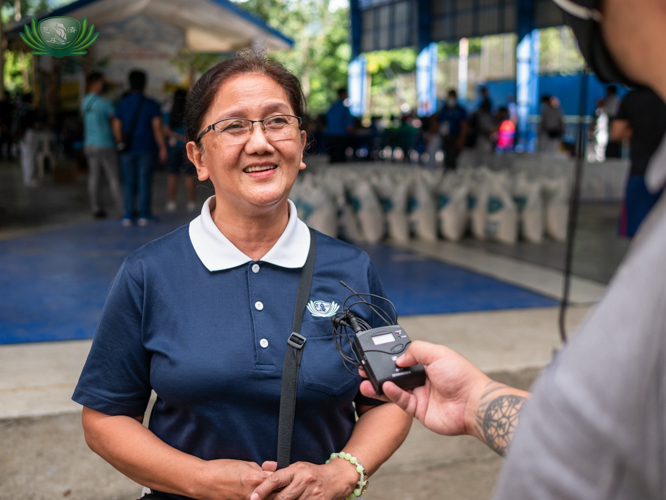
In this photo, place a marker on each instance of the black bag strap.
(292, 360)
(135, 118)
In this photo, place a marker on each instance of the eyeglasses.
(237, 130)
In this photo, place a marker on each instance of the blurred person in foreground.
(595, 427)
(174, 131)
(100, 146)
(203, 316)
(642, 120)
(138, 127)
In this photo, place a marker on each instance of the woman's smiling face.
(257, 175)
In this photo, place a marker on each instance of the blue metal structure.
(387, 24)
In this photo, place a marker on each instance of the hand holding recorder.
(457, 397)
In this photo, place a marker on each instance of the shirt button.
(263, 343)
(255, 268)
(258, 305)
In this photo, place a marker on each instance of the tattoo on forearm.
(497, 417)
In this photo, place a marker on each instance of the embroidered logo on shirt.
(321, 309)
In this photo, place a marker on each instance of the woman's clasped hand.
(303, 480)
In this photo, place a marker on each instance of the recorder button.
(397, 348)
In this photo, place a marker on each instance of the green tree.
(17, 65)
(321, 51)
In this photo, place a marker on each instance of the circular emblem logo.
(59, 32)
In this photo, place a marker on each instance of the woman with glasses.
(202, 317)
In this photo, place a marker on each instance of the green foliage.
(18, 67)
(16, 70)
(187, 61)
(27, 8)
(392, 80)
(321, 50)
(559, 53)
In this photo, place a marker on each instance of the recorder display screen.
(383, 339)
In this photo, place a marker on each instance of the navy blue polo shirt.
(193, 318)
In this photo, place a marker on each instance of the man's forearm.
(497, 415)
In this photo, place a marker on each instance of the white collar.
(655, 177)
(217, 253)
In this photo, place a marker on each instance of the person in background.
(339, 127)
(506, 132)
(405, 136)
(174, 131)
(485, 99)
(642, 120)
(6, 126)
(613, 148)
(552, 125)
(598, 133)
(142, 114)
(29, 123)
(99, 145)
(451, 124)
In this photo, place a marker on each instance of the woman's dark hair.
(177, 115)
(203, 93)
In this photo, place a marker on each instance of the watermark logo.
(59, 36)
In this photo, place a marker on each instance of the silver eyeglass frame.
(252, 122)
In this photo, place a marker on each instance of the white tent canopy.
(209, 25)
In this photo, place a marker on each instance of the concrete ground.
(42, 452)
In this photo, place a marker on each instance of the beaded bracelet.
(362, 484)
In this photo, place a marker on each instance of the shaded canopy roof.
(209, 25)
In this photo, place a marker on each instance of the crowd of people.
(413, 139)
(122, 144)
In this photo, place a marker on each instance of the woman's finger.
(278, 480)
(269, 466)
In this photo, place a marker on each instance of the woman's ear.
(304, 142)
(196, 156)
